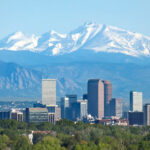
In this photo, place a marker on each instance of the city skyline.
(74, 74)
(97, 106)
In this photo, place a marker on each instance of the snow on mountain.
(19, 41)
(112, 39)
(90, 36)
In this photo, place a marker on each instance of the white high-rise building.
(49, 91)
(136, 101)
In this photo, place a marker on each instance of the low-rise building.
(113, 121)
(16, 114)
(4, 115)
(36, 115)
(136, 118)
(54, 113)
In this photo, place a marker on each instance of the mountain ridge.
(95, 37)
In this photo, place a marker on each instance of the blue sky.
(40, 16)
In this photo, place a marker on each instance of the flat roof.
(37, 109)
(48, 79)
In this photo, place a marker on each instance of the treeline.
(66, 135)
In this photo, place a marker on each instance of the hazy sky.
(39, 16)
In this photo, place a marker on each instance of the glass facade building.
(136, 101)
(65, 107)
(83, 108)
(136, 118)
(36, 115)
(79, 110)
(72, 98)
(4, 115)
(116, 107)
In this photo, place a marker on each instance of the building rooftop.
(38, 109)
(106, 81)
(48, 79)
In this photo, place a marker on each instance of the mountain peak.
(89, 36)
(88, 23)
(19, 41)
(16, 36)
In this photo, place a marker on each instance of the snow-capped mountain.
(19, 41)
(90, 36)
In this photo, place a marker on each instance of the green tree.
(45, 126)
(83, 145)
(144, 145)
(104, 146)
(12, 134)
(4, 142)
(107, 142)
(38, 137)
(48, 143)
(65, 122)
(8, 124)
(22, 143)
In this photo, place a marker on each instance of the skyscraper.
(72, 98)
(49, 91)
(107, 97)
(147, 114)
(65, 107)
(79, 110)
(135, 101)
(116, 107)
(96, 98)
(83, 108)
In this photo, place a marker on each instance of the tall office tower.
(147, 114)
(64, 107)
(83, 108)
(107, 97)
(116, 107)
(72, 98)
(135, 101)
(96, 98)
(85, 97)
(79, 110)
(49, 91)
